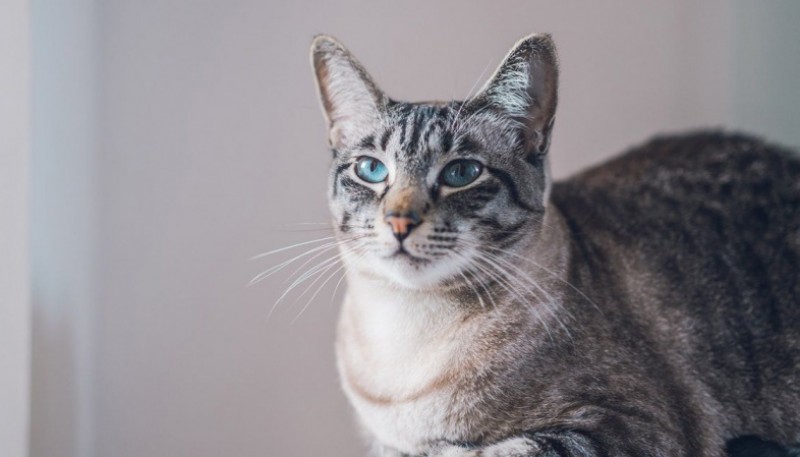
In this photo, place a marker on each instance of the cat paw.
(513, 447)
(451, 450)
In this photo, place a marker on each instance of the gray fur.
(647, 307)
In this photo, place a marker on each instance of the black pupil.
(373, 164)
(460, 170)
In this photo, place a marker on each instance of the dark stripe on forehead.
(466, 144)
(513, 191)
(447, 141)
(403, 125)
(385, 138)
(416, 131)
(368, 142)
(432, 127)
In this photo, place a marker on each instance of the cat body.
(646, 307)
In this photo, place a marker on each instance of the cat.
(649, 306)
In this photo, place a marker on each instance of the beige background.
(173, 140)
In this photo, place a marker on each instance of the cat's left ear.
(525, 88)
(351, 101)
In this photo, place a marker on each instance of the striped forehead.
(414, 134)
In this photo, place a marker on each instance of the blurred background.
(152, 148)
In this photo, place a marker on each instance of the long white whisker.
(552, 274)
(471, 271)
(304, 243)
(321, 286)
(274, 269)
(469, 94)
(310, 259)
(321, 266)
(503, 279)
(494, 273)
(358, 256)
(549, 302)
(341, 267)
(308, 274)
(477, 294)
(320, 275)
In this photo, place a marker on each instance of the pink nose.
(402, 224)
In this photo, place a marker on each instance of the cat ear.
(525, 88)
(351, 102)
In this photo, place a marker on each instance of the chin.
(410, 272)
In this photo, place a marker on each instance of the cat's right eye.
(371, 169)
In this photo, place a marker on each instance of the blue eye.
(371, 169)
(459, 173)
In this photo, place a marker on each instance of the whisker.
(551, 273)
(549, 302)
(341, 267)
(319, 275)
(358, 256)
(321, 286)
(469, 284)
(320, 267)
(515, 281)
(473, 273)
(504, 279)
(469, 94)
(332, 246)
(274, 269)
(286, 248)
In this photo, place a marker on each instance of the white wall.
(15, 313)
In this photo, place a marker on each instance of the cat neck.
(397, 346)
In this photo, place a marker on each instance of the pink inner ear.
(336, 136)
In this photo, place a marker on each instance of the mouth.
(401, 252)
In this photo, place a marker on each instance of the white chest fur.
(399, 356)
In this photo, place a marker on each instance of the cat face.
(426, 193)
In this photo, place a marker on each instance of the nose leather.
(402, 223)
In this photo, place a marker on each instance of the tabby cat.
(649, 306)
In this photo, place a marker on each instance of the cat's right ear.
(351, 102)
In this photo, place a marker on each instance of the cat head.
(428, 193)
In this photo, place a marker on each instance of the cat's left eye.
(459, 173)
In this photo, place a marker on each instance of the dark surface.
(753, 446)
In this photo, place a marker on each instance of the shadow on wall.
(766, 80)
